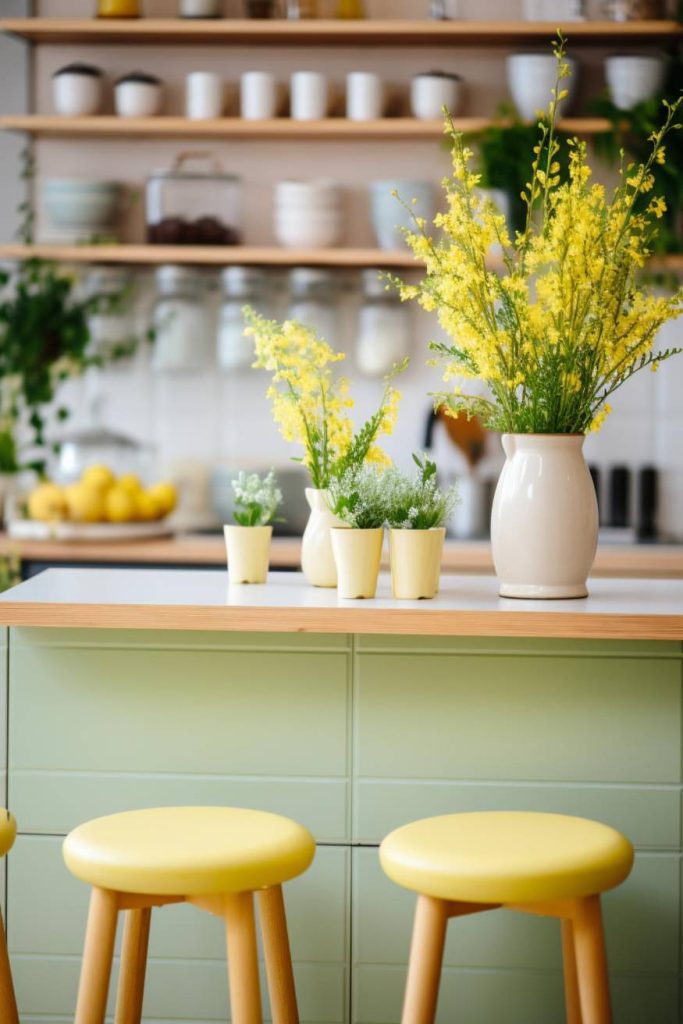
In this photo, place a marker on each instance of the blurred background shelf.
(152, 31)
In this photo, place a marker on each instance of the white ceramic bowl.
(430, 93)
(389, 215)
(79, 204)
(634, 78)
(321, 193)
(531, 76)
(308, 231)
(77, 93)
(138, 99)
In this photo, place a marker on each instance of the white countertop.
(466, 606)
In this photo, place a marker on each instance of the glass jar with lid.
(112, 323)
(312, 302)
(383, 327)
(193, 202)
(179, 320)
(241, 286)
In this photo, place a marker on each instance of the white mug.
(309, 96)
(364, 96)
(258, 96)
(203, 95)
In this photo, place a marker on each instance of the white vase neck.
(534, 442)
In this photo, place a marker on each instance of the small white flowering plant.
(257, 499)
(357, 497)
(416, 502)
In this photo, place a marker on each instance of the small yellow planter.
(248, 550)
(416, 562)
(357, 555)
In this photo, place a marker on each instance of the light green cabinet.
(352, 736)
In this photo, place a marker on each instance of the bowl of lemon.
(98, 506)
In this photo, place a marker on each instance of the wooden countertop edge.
(363, 620)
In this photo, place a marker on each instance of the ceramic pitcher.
(317, 559)
(544, 523)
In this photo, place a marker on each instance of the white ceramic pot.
(203, 95)
(364, 96)
(77, 90)
(258, 96)
(389, 215)
(431, 92)
(248, 551)
(138, 95)
(416, 563)
(531, 76)
(634, 79)
(357, 555)
(317, 557)
(544, 523)
(309, 96)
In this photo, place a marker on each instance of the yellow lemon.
(165, 496)
(130, 483)
(120, 505)
(85, 503)
(99, 476)
(146, 507)
(46, 503)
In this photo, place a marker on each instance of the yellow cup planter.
(416, 562)
(357, 554)
(248, 549)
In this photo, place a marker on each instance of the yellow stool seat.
(182, 851)
(8, 831)
(506, 857)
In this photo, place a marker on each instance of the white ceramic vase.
(248, 550)
(317, 557)
(416, 563)
(544, 523)
(357, 555)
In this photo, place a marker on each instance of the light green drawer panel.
(509, 997)
(641, 922)
(55, 802)
(650, 816)
(167, 639)
(206, 712)
(46, 923)
(3, 707)
(504, 646)
(519, 718)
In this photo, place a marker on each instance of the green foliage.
(10, 572)
(257, 499)
(358, 497)
(417, 502)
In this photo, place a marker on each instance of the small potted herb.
(417, 512)
(248, 541)
(356, 498)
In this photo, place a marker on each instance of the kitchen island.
(129, 688)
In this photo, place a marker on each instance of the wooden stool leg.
(8, 1003)
(591, 962)
(571, 984)
(277, 956)
(98, 954)
(133, 965)
(245, 993)
(424, 967)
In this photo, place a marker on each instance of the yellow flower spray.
(311, 406)
(566, 324)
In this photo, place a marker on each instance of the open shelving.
(233, 31)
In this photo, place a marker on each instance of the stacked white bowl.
(308, 214)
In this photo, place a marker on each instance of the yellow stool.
(8, 1002)
(212, 857)
(546, 864)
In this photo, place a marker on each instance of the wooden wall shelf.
(226, 31)
(220, 256)
(108, 126)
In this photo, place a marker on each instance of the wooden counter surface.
(464, 557)
(467, 606)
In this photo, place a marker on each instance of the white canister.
(138, 95)
(258, 96)
(364, 96)
(77, 90)
(432, 91)
(203, 95)
(532, 76)
(308, 96)
(634, 78)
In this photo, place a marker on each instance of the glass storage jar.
(194, 202)
(242, 286)
(179, 320)
(112, 323)
(200, 8)
(383, 327)
(313, 300)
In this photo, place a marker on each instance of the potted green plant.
(311, 407)
(357, 498)
(553, 336)
(247, 541)
(417, 513)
